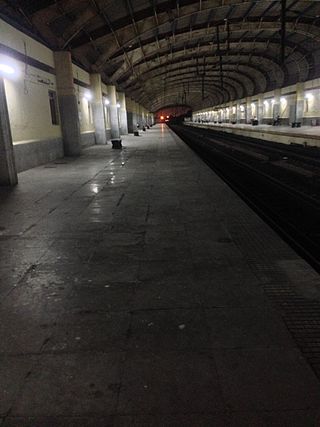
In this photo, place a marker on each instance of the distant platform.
(305, 135)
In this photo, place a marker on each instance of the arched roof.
(166, 52)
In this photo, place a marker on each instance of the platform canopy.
(199, 53)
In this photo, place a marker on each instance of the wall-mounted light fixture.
(106, 101)
(309, 96)
(118, 105)
(6, 69)
(87, 95)
(283, 100)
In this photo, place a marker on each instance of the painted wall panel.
(28, 104)
(19, 41)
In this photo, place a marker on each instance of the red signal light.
(161, 117)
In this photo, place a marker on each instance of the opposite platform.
(305, 135)
(138, 289)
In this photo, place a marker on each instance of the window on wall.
(53, 107)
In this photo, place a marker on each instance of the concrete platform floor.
(133, 293)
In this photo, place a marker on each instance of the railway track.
(286, 196)
(291, 211)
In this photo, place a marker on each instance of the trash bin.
(116, 144)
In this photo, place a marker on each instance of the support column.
(129, 106)
(260, 109)
(238, 113)
(134, 119)
(8, 172)
(123, 114)
(136, 115)
(276, 104)
(97, 109)
(137, 122)
(299, 107)
(248, 110)
(114, 120)
(68, 105)
(139, 118)
(233, 113)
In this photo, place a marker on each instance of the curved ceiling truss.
(196, 52)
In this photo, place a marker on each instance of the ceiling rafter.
(191, 75)
(274, 25)
(236, 20)
(152, 47)
(266, 55)
(259, 71)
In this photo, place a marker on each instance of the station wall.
(27, 98)
(32, 100)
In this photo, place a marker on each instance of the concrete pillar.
(136, 115)
(114, 119)
(139, 114)
(134, 119)
(299, 106)
(8, 172)
(143, 116)
(230, 112)
(260, 108)
(233, 113)
(238, 112)
(129, 107)
(276, 103)
(68, 104)
(248, 110)
(106, 113)
(123, 114)
(97, 109)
